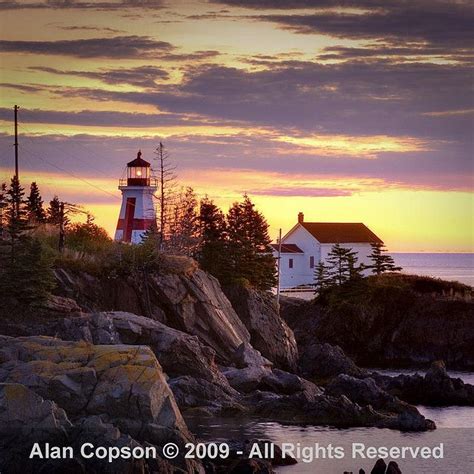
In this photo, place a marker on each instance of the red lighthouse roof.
(138, 162)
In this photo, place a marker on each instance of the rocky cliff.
(192, 302)
(386, 322)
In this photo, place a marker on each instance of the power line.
(115, 196)
(75, 157)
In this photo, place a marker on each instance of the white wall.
(302, 273)
(363, 251)
(291, 277)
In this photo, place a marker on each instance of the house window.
(290, 263)
(311, 262)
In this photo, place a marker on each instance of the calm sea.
(448, 266)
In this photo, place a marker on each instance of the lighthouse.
(137, 213)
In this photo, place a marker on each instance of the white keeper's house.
(309, 243)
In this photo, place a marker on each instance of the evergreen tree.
(249, 245)
(34, 205)
(25, 272)
(355, 270)
(54, 214)
(151, 236)
(31, 278)
(322, 277)
(16, 218)
(381, 261)
(212, 254)
(339, 263)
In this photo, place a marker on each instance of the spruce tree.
(54, 214)
(34, 205)
(322, 277)
(25, 272)
(338, 263)
(381, 261)
(151, 236)
(249, 246)
(16, 218)
(355, 270)
(212, 254)
(31, 278)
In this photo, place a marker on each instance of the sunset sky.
(351, 111)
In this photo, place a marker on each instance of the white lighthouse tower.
(137, 213)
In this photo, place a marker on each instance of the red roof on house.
(288, 248)
(341, 232)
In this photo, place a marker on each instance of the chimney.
(300, 217)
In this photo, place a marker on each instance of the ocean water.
(455, 430)
(447, 266)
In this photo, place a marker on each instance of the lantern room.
(138, 172)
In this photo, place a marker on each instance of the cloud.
(298, 191)
(143, 76)
(79, 4)
(29, 88)
(95, 118)
(245, 162)
(437, 26)
(130, 47)
(102, 29)
(118, 47)
(398, 54)
(352, 98)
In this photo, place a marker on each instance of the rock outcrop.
(78, 388)
(193, 303)
(436, 388)
(269, 333)
(323, 361)
(388, 322)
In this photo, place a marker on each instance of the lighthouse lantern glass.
(138, 175)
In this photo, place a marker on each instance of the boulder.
(269, 333)
(365, 392)
(178, 353)
(123, 385)
(196, 380)
(379, 468)
(393, 468)
(322, 360)
(23, 413)
(192, 392)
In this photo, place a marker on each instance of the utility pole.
(279, 271)
(162, 197)
(16, 142)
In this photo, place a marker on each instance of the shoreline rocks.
(436, 388)
(72, 386)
